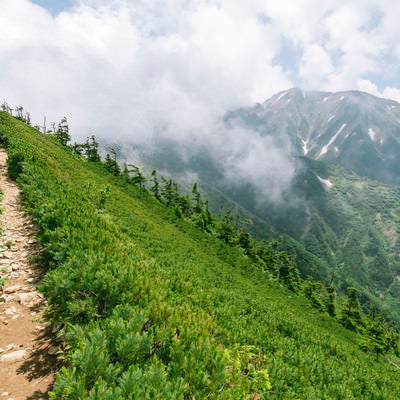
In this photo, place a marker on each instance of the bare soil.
(28, 358)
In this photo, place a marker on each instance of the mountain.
(339, 216)
(146, 304)
(349, 213)
(353, 129)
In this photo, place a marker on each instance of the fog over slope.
(145, 72)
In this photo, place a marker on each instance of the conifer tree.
(286, 270)
(62, 133)
(351, 313)
(20, 112)
(91, 149)
(378, 337)
(169, 191)
(198, 207)
(312, 290)
(227, 229)
(138, 178)
(111, 163)
(155, 188)
(245, 241)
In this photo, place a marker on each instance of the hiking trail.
(27, 354)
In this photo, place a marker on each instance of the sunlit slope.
(152, 308)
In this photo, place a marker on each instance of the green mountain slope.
(151, 307)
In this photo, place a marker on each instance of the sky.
(138, 70)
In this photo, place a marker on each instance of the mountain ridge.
(350, 128)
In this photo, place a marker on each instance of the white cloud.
(315, 66)
(245, 156)
(137, 70)
(388, 92)
(147, 64)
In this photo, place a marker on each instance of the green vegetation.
(347, 233)
(3, 279)
(158, 300)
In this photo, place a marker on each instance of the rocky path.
(27, 355)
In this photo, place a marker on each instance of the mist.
(143, 73)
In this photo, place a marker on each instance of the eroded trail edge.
(27, 356)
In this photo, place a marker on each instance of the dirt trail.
(27, 355)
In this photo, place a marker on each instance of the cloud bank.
(147, 70)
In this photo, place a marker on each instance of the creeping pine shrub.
(15, 165)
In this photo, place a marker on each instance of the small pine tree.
(286, 270)
(312, 290)
(155, 188)
(169, 191)
(62, 133)
(138, 178)
(111, 163)
(228, 229)
(378, 337)
(198, 204)
(351, 313)
(19, 112)
(246, 242)
(91, 148)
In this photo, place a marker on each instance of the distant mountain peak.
(351, 128)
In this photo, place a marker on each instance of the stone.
(9, 298)
(1, 350)
(40, 327)
(14, 356)
(26, 298)
(11, 310)
(12, 289)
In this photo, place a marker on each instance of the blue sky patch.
(54, 6)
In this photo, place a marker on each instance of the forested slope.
(149, 306)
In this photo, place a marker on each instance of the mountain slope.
(339, 214)
(154, 308)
